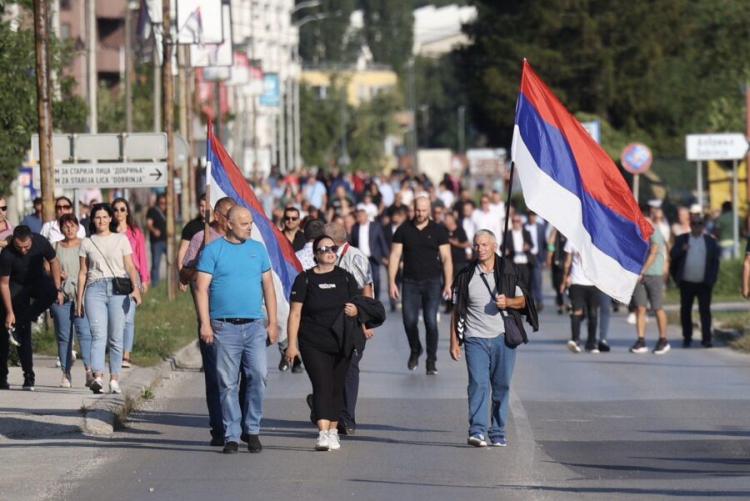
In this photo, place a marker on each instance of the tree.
(648, 68)
(18, 116)
(389, 31)
(329, 40)
(111, 103)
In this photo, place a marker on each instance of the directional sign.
(731, 146)
(636, 158)
(112, 175)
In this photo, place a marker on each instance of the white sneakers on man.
(328, 441)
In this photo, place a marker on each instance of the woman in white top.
(105, 256)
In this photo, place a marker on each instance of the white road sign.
(730, 146)
(112, 175)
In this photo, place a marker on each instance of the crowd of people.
(436, 247)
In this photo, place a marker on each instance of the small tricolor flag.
(570, 181)
(225, 179)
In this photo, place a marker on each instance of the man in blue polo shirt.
(234, 278)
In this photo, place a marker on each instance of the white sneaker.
(334, 443)
(65, 381)
(631, 319)
(573, 346)
(114, 386)
(322, 443)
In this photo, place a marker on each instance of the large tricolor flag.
(570, 181)
(225, 179)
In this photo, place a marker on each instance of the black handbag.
(121, 286)
(515, 334)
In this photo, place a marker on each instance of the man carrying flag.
(571, 182)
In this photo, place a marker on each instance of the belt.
(236, 321)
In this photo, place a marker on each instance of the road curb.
(101, 414)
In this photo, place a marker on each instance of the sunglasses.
(120, 209)
(290, 218)
(323, 249)
(4, 208)
(61, 207)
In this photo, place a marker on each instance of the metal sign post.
(735, 210)
(636, 158)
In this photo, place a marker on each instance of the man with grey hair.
(355, 262)
(427, 259)
(485, 291)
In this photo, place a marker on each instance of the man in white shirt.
(445, 194)
(51, 229)
(487, 218)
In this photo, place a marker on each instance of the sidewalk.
(51, 411)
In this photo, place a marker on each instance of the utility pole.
(91, 64)
(283, 168)
(157, 89)
(168, 110)
(462, 129)
(44, 109)
(183, 99)
(297, 126)
(191, 191)
(747, 134)
(290, 124)
(128, 66)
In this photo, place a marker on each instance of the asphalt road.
(608, 426)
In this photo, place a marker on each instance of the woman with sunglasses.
(318, 297)
(64, 309)
(6, 229)
(137, 240)
(104, 256)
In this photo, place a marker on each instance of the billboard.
(271, 96)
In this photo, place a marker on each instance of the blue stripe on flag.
(285, 271)
(610, 232)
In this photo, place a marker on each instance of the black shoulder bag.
(121, 286)
(514, 333)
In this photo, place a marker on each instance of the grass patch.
(161, 328)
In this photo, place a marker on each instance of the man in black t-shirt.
(428, 268)
(291, 228)
(27, 291)
(193, 227)
(156, 222)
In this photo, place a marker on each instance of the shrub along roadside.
(161, 328)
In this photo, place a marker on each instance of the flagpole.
(507, 211)
(209, 207)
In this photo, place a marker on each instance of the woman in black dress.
(318, 297)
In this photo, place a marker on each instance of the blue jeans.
(128, 335)
(65, 319)
(158, 249)
(241, 348)
(605, 311)
(106, 313)
(490, 364)
(423, 294)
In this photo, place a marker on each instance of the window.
(64, 31)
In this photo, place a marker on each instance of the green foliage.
(366, 127)
(327, 40)
(656, 70)
(111, 103)
(438, 95)
(389, 31)
(18, 115)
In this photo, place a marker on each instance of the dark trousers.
(424, 294)
(375, 270)
(524, 272)
(158, 249)
(351, 391)
(584, 299)
(327, 373)
(557, 278)
(688, 292)
(399, 282)
(29, 302)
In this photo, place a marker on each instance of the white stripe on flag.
(562, 209)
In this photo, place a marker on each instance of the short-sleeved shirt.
(104, 255)
(421, 249)
(323, 296)
(355, 262)
(236, 271)
(25, 270)
(577, 275)
(196, 245)
(483, 319)
(192, 227)
(657, 267)
(160, 223)
(51, 231)
(457, 253)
